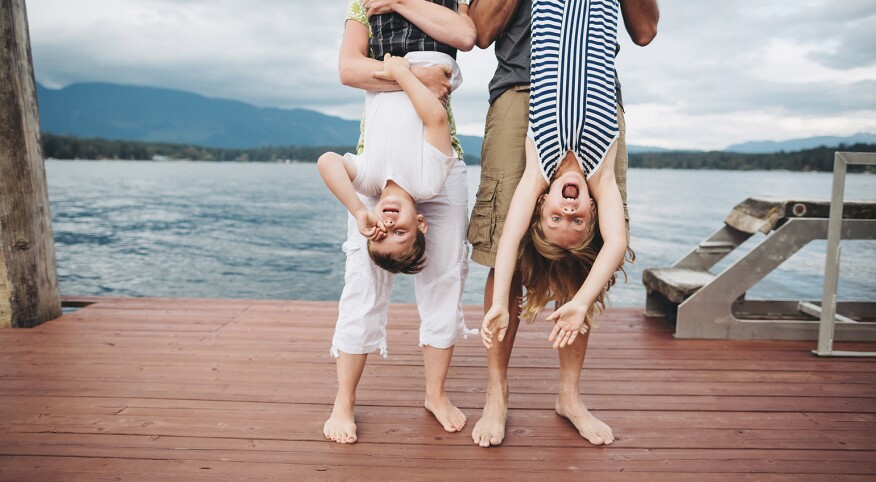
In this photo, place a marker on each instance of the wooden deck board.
(228, 389)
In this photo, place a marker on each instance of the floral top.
(356, 11)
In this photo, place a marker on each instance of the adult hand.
(436, 78)
(569, 320)
(495, 323)
(377, 7)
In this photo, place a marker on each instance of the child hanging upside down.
(550, 232)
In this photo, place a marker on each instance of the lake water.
(273, 231)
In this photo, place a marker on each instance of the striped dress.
(572, 96)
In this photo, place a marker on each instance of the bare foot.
(490, 429)
(590, 427)
(450, 417)
(341, 426)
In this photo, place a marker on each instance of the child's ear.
(421, 224)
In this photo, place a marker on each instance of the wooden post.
(28, 278)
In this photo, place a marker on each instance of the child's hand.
(569, 320)
(370, 225)
(377, 7)
(391, 66)
(495, 322)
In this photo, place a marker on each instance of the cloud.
(716, 67)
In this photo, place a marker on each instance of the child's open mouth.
(570, 191)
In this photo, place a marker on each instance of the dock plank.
(184, 389)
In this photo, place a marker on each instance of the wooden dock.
(160, 389)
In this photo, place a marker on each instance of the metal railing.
(832, 260)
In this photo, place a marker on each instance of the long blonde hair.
(551, 273)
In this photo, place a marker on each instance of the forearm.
(430, 110)
(640, 20)
(516, 224)
(338, 179)
(355, 67)
(455, 29)
(611, 254)
(490, 18)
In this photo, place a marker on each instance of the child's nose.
(569, 210)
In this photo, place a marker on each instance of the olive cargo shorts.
(503, 160)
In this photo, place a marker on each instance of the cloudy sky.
(719, 72)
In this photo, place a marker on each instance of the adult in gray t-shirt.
(512, 52)
(503, 160)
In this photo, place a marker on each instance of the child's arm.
(570, 317)
(430, 110)
(455, 29)
(531, 186)
(338, 173)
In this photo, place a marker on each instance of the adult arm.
(571, 316)
(491, 17)
(455, 29)
(530, 187)
(640, 19)
(356, 67)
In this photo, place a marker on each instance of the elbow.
(437, 120)
(324, 162)
(484, 37)
(468, 41)
(645, 36)
(346, 76)
(483, 40)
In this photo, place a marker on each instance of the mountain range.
(150, 114)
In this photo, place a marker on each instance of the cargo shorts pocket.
(483, 216)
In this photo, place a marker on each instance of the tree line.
(68, 147)
(816, 159)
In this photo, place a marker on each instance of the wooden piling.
(28, 278)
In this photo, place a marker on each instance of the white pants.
(362, 310)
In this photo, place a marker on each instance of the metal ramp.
(707, 305)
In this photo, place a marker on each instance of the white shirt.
(395, 144)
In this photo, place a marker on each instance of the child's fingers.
(554, 332)
(554, 316)
(566, 340)
(502, 334)
(485, 328)
(559, 339)
(486, 340)
(572, 337)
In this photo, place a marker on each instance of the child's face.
(567, 211)
(401, 219)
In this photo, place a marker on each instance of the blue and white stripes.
(572, 96)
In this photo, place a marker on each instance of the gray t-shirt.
(513, 50)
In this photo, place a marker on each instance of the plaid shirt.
(395, 35)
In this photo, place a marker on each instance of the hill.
(767, 147)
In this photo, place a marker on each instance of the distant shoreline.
(74, 148)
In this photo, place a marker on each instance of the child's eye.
(555, 219)
(579, 221)
(399, 233)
